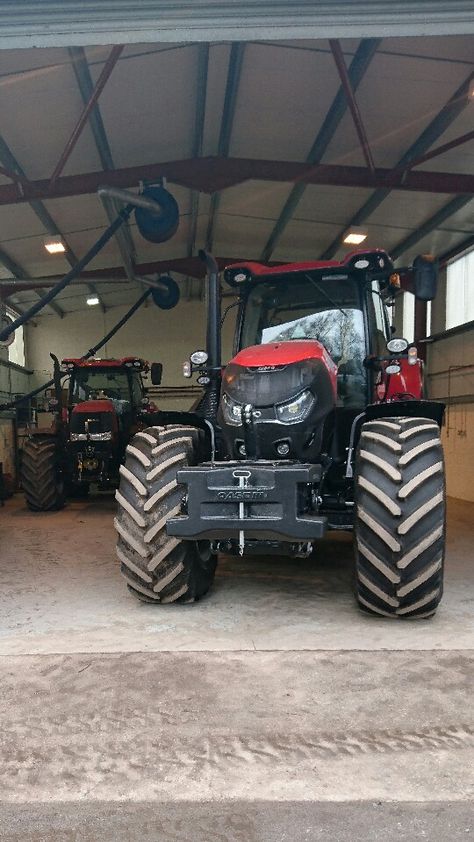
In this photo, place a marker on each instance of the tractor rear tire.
(159, 568)
(41, 475)
(400, 524)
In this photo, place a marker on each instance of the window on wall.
(16, 351)
(460, 291)
(408, 316)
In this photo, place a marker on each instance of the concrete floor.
(272, 710)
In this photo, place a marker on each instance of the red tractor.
(87, 440)
(318, 423)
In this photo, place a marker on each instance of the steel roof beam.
(459, 249)
(85, 84)
(234, 71)
(88, 106)
(8, 158)
(10, 265)
(352, 103)
(440, 150)
(116, 274)
(213, 174)
(422, 144)
(430, 225)
(358, 67)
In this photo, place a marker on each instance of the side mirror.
(156, 372)
(425, 277)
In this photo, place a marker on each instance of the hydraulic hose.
(73, 273)
(86, 356)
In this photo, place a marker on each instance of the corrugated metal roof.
(283, 94)
(81, 22)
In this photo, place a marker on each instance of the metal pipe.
(86, 356)
(352, 103)
(153, 284)
(127, 197)
(213, 310)
(76, 270)
(99, 87)
(116, 327)
(213, 336)
(111, 209)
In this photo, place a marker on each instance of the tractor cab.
(119, 382)
(307, 335)
(105, 398)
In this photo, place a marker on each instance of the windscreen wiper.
(327, 297)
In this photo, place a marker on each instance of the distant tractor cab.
(318, 423)
(93, 422)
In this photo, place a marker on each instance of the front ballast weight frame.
(219, 505)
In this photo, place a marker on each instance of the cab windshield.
(92, 384)
(304, 306)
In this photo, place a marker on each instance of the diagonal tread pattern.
(158, 568)
(41, 476)
(399, 518)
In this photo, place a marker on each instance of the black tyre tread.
(157, 567)
(39, 475)
(399, 518)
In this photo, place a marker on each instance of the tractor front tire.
(159, 568)
(399, 518)
(41, 475)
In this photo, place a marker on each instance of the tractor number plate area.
(241, 499)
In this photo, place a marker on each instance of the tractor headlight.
(231, 411)
(297, 409)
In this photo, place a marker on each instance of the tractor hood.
(264, 375)
(95, 406)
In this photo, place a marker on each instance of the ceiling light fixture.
(54, 245)
(93, 299)
(354, 237)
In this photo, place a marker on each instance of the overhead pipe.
(125, 196)
(133, 200)
(90, 353)
(74, 272)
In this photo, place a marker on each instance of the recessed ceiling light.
(54, 245)
(355, 238)
(93, 299)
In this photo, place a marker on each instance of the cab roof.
(375, 260)
(123, 362)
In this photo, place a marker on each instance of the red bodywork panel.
(97, 406)
(285, 353)
(261, 269)
(405, 385)
(119, 363)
